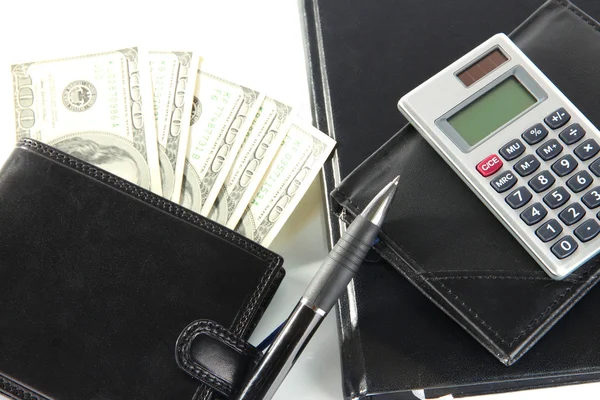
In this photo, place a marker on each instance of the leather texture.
(213, 355)
(99, 277)
(393, 339)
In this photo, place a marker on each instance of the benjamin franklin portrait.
(108, 154)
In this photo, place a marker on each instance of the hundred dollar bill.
(299, 159)
(264, 138)
(221, 117)
(173, 83)
(96, 107)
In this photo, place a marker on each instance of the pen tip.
(377, 208)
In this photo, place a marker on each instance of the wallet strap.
(216, 357)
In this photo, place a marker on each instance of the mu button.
(490, 165)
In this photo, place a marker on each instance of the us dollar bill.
(220, 119)
(96, 107)
(173, 84)
(267, 131)
(299, 159)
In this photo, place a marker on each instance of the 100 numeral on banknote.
(295, 166)
(173, 84)
(97, 108)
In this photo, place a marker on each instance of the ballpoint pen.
(320, 296)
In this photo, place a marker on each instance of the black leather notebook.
(99, 277)
(393, 338)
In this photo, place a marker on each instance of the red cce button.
(490, 165)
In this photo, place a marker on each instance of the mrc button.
(504, 182)
(490, 165)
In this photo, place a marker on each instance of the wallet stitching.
(196, 370)
(579, 14)
(273, 260)
(493, 277)
(15, 389)
(465, 307)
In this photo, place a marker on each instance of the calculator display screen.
(490, 111)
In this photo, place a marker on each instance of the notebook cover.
(98, 277)
(342, 44)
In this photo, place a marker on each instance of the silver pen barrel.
(320, 296)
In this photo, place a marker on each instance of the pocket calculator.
(518, 142)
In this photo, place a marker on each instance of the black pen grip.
(341, 264)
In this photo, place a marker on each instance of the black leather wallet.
(443, 239)
(108, 292)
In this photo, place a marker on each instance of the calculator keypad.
(564, 182)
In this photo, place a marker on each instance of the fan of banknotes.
(223, 150)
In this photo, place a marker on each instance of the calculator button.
(565, 165)
(564, 247)
(595, 167)
(519, 197)
(579, 181)
(534, 214)
(557, 119)
(572, 214)
(535, 134)
(549, 150)
(574, 133)
(490, 165)
(587, 149)
(504, 182)
(527, 165)
(592, 198)
(557, 197)
(512, 149)
(549, 230)
(541, 181)
(587, 231)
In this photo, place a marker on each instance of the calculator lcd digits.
(529, 154)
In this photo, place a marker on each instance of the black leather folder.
(363, 56)
(109, 292)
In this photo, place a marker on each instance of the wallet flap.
(445, 241)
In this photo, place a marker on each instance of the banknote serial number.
(221, 98)
(106, 72)
(293, 147)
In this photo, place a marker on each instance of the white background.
(257, 43)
